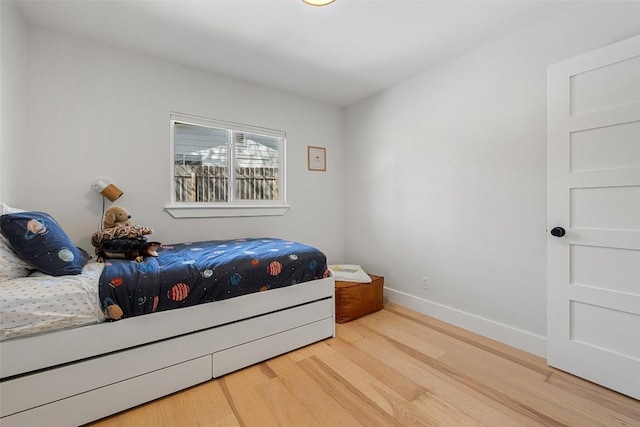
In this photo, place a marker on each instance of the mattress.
(183, 274)
(41, 303)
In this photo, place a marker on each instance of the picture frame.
(316, 158)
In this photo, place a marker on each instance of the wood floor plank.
(506, 399)
(227, 421)
(484, 409)
(618, 403)
(506, 364)
(348, 395)
(284, 404)
(380, 322)
(451, 374)
(393, 367)
(258, 374)
(444, 413)
(563, 407)
(347, 333)
(212, 406)
(167, 411)
(402, 385)
(375, 390)
(320, 403)
(528, 360)
(562, 403)
(246, 403)
(508, 376)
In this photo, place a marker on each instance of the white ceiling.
(339, 53)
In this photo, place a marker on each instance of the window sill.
(203, 211)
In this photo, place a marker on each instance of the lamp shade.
(107, 189)
(318, 2)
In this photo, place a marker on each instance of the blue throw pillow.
(39, 240)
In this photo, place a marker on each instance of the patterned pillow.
(38, 239)
(11, 265)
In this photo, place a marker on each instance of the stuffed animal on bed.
(115, 216)
(135, 248)
(120, 239)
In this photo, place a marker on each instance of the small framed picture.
(317, 158)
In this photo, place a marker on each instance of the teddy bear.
(120, 239)
(116, 216)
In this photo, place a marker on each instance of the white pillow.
(349, 273)
(11, 265)
(4, 209)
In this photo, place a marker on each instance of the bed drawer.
(29, 391)
(238, 357)
(39, 388)
(86, 407)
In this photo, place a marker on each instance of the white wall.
(445, 174)
(13, 109)
(446, 177)
(101, 112)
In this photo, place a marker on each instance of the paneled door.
(593, 216)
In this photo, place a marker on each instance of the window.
(226, 169)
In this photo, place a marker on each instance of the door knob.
(558, 231)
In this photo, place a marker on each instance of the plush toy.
(116, 216)
(113, 312)
(135, 248)
(120, 239)
(123, 232)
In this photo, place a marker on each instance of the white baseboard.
(506, 334)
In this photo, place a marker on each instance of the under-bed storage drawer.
(33, 390)
(36, 389)
(238, 357)
(255, 328)
(86, 407)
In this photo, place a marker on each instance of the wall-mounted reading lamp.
(107, 189)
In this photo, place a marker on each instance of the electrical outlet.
(425, 283)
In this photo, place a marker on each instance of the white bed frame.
(76, 376)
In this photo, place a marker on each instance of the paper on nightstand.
(349, 273)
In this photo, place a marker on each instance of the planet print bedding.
(42, 303)
(187, 274)
(183, 274)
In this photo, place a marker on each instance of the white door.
(593, 194)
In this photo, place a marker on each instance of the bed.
(71, 372)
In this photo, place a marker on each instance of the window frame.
(233, 207)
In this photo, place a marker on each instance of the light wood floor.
(393, 367)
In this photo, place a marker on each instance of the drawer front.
(95, 404)
(240, 356)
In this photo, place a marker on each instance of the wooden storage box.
(354, 299)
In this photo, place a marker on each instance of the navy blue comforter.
(187, 274)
